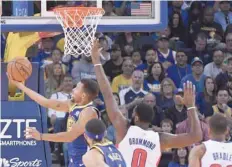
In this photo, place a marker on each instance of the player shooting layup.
(139, 146)
(214, 152)
(80, 112)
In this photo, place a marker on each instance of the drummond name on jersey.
(143, 142)
(222, 156)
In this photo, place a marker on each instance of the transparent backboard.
(121, 16)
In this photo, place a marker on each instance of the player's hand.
(32, 133)
(12, 81)
(189, 95)
(138, 100)
(96, 52)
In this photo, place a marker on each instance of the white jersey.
(217, 154)
(140, 147)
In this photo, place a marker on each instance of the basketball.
(19, 68)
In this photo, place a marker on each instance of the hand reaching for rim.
(96, 52)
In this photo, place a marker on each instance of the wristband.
(95, 65)
(189, 108)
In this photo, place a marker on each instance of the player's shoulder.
(88, 157)
(199, 150)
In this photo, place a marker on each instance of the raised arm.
(195, 134)
(115, 116)
(77, 129)
(195, 156)
(48, 103)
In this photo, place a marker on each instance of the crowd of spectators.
(151, 68)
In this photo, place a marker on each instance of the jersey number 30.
(139, 158)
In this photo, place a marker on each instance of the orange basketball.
(19, 68)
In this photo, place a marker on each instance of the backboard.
(141, 16)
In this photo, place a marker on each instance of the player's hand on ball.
(32, 133)
(12, 81)
(189, 95)
(96, 52)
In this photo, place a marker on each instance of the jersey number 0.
(139, 158)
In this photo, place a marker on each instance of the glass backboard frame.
(47, 21)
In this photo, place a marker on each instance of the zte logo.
(4, 162)
(6, 123)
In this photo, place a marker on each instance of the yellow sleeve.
(115, 85)
(20, 42)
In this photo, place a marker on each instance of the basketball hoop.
(79, 25)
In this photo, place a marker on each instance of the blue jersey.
(78, 147)
(112, 157)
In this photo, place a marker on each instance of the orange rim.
(76, 14)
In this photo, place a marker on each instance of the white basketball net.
(79, 28)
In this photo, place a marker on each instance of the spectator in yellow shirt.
(123, 80)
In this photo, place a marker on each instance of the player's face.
(78, 93)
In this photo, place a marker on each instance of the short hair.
(145, 112)
(181, 50)
(95, 126)
(222, 89)
(217, 49)
(201, 35)
(57, 49)
(90, 87)
(218, 124)
(166, 120)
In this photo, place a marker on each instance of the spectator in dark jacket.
(200, 50)
(178, 112)
(150, 99)
(207, 25)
